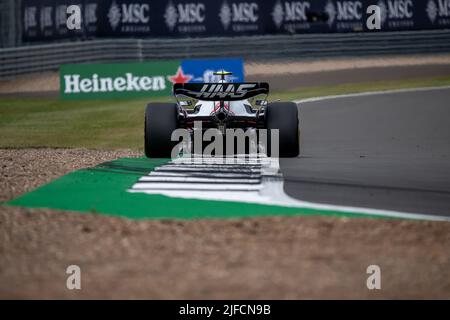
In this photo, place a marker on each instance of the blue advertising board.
(201, 70)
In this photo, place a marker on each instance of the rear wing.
(220, 91)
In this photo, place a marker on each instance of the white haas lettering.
(400, 9)
(349, 10)
(296, 11)
(245, 12)
(223, 91)
(191, 12)
(135, 13)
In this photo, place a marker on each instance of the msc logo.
(343, 11)
(396, 9)
(246, 12)
(135, 13)
(188, 13)
(292, 11)
(438, 8)
(130, 13)
(349, 10)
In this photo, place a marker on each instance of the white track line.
(370, 93)
(184, 179)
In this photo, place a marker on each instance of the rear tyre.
(160, 122)
(284, 117)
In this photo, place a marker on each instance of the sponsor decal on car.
(220, 91)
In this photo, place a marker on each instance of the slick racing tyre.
(284, 117)
(160, 122)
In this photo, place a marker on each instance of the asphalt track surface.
(388, 151)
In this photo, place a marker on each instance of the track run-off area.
(382, 154)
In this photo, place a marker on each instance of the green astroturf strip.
(103, 190)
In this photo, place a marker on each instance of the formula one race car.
(221, 105)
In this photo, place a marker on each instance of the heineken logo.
(116, 81)
(74, 83)
(136, 79)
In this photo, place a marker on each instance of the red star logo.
(180, 77)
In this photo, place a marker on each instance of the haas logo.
(223, 91)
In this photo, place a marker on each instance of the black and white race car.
(222, 105)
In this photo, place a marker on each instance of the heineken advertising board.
(140, 79)
(121, 80)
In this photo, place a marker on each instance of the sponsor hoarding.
(121, 80)
(140, 79)
(45, 19)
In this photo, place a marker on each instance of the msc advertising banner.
(140, 79)
(46, 19)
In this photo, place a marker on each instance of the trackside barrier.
(48, 57)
